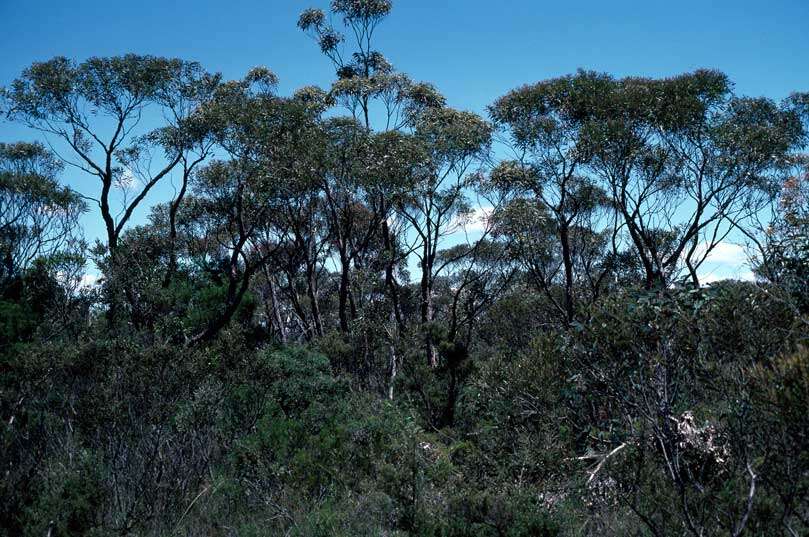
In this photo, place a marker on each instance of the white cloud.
(726, 261)
(477, 220)
(717, 275)
(726, 253)
(89, 280)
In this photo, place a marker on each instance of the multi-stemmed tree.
(237, 205)
(98, 116)
(94, 113)
(417, 194)
(685, 162)
(38, 216)
(681, 163)
(555, 216)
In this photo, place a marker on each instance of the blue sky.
(472, 50)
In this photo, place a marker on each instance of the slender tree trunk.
(390, 279)
(276, 312)
(654, 279)
(427, 306)
(303, 318)
(173, 209)
(311, 288)
(392, 365)
(343, 293)
(567, 260)
(352, 303)
(448, 414)
(112, 247)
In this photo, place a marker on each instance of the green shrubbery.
(340, 328)
(114, 435)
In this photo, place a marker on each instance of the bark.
(427, 312)
(390, 279)
(343, 293)
(311, 288)
(567, 260)
(392, 362)
(276, 313)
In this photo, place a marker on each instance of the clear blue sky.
(472, 50)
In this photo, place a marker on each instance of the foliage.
(371, 325)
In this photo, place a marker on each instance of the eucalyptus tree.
(437, 206)
(356, 171)
(685, 163)
(548, 186)
(364, 76)
(352, 224)
(190, 133)
(375, 95)
(782, 241)
(379, 99)
(38, 216)
(236, 210)
(300, 264)
(442, 143)
(299, 267)
(95, 113)
(783, 247)
(477, 277)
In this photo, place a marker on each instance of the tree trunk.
(427, 308)
(567, 260)
(390, 279)
(392, 365)
(311, 289)
(343, 305)
(173, 209)
(276, 313)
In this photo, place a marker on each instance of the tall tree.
(782, 241)
(379, 99)
(378, 96)
(549, 188)
(438, 205)
(686, 162)
(237, 207)
(38, 216)
(95, 109)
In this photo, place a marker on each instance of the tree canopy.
(361, 311)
